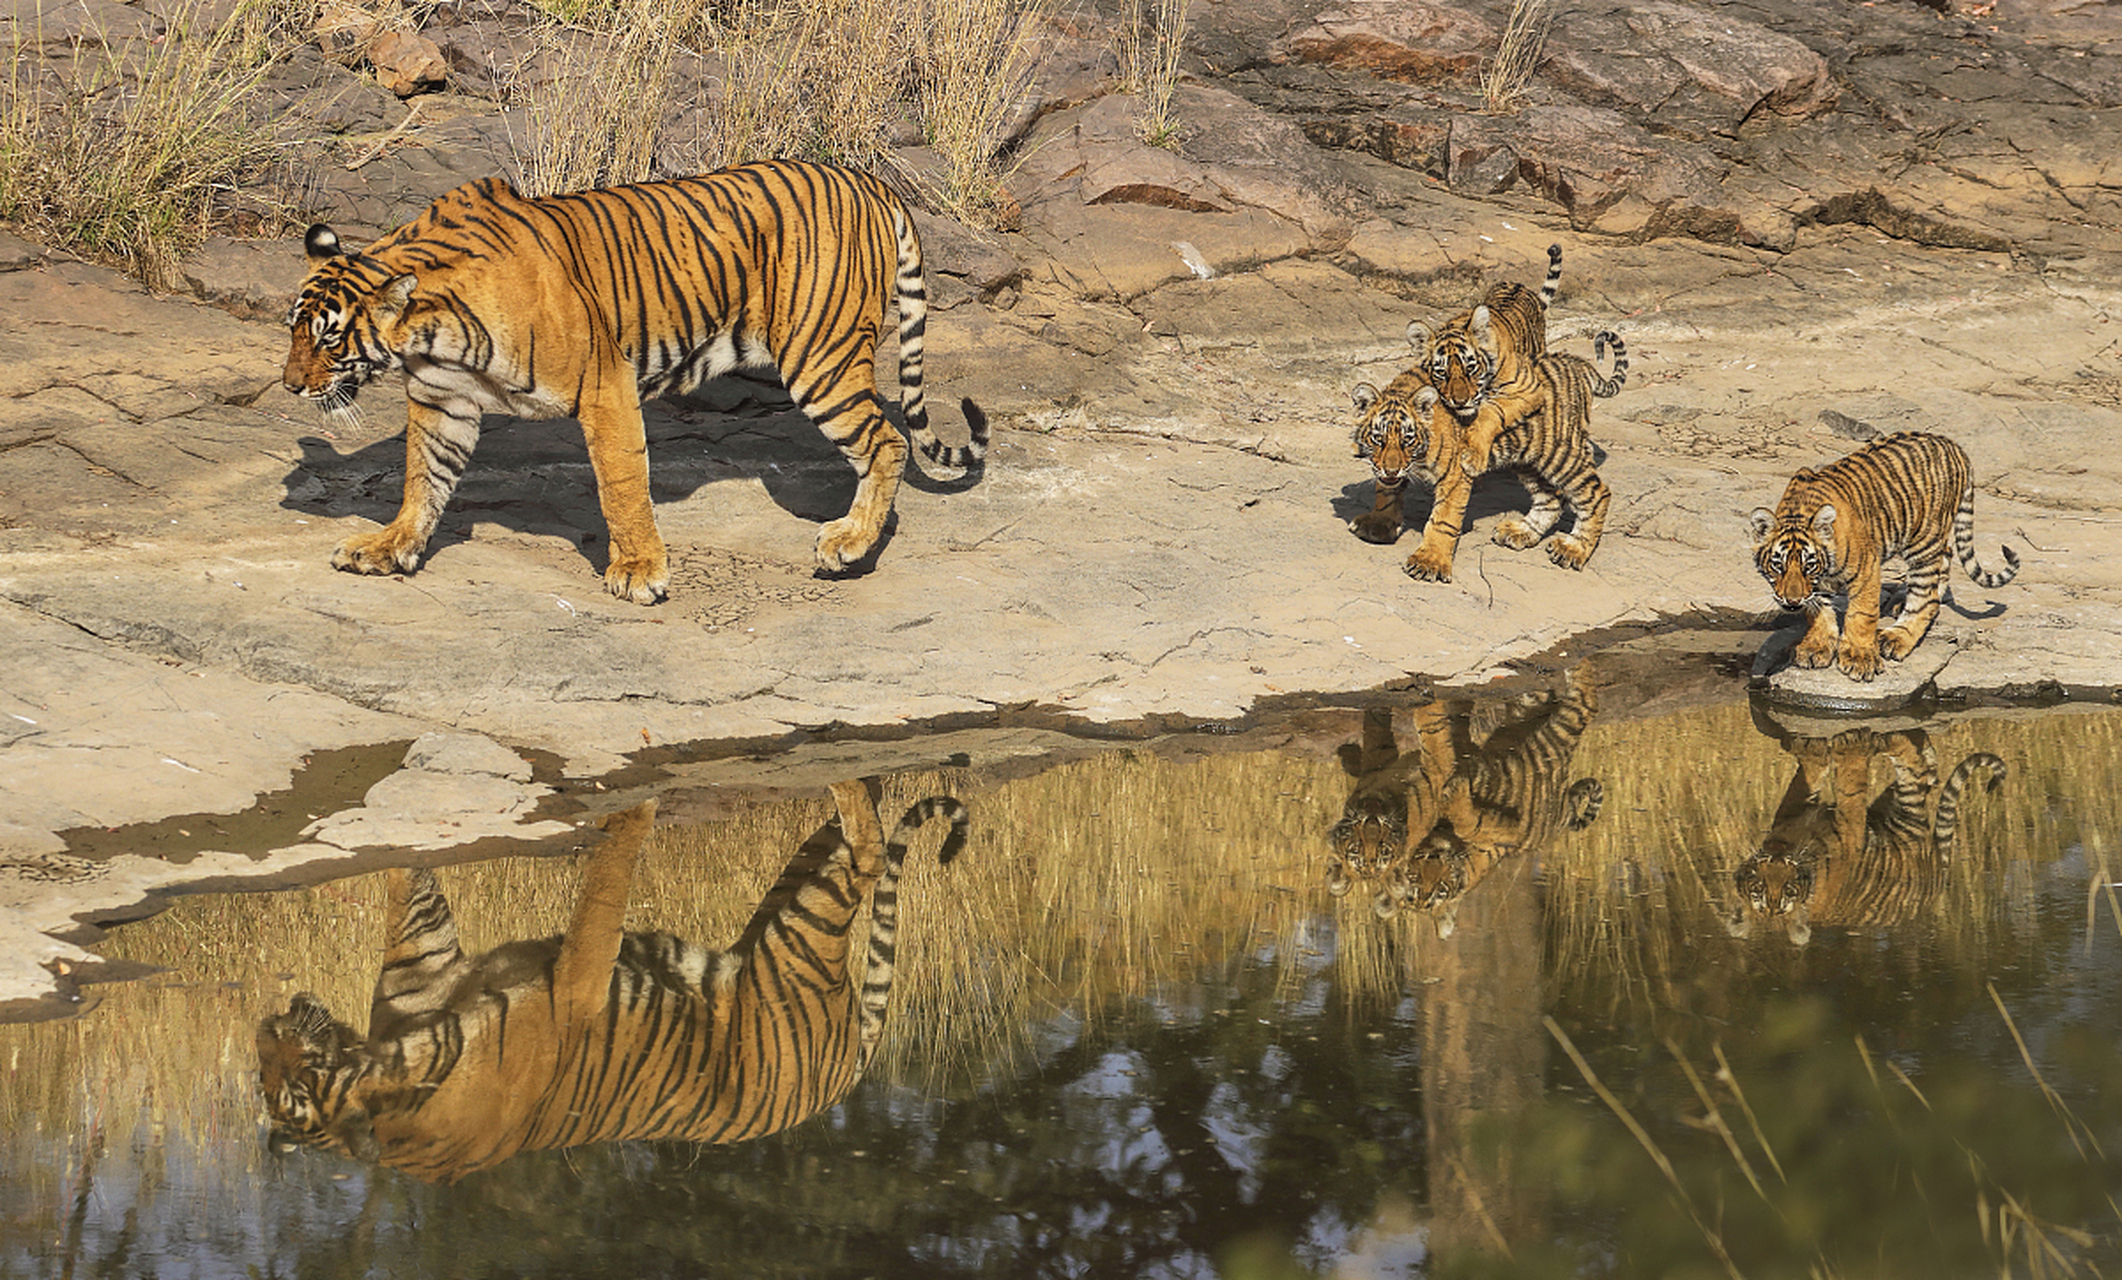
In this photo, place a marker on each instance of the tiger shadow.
(1834, 854)
(602, 1035)
(1496, 493)
(1423, 827)
(534, 477)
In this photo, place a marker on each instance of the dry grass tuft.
(596, 118)
(1518, 55)
(1152, 36)
(132, 150)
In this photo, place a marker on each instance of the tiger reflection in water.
(1469, 804)
(1835, 855)
(601, 1035)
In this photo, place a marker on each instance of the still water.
(1525, 986)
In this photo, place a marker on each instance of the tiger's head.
(1797, 555)
(342, 326)
(1460, 360)
(1368, 844)
(308, 1066)
(1392, 427)
(1776, 883)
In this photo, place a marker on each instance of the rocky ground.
(1811, 220)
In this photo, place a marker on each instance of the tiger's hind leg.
(1520, 532)
(1589, 498)
(846, 407)
(1925, 586)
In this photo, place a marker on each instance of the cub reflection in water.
(1835, 855)
(601, 1035)
(1473, 804)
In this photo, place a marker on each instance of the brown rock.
(1396, 39)
(407, 64)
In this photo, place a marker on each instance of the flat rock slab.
(1829, 689)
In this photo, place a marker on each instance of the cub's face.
(1392, 430)
(339, 327)
(1796, 558)
(1367, 842)
(303, 1057)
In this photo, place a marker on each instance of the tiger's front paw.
(641, 579)
(1814, 653)
(1859, 662)
(1428, 564)
(387, 550)
(1379, 527)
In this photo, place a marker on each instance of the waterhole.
(1580, 980)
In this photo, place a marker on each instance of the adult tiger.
(1405, 432)
(1836, 527)
(584, 305)
(1834, 855)
(1473, 804)
(601, 1035)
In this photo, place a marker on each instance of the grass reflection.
(1134, 1034)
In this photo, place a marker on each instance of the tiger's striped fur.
(601, 1035)
(584, 305)
(1833, 855)
(1836, 527)
(1470, 804)
(1482, 361)
(1405, 432)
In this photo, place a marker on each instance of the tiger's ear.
(1483, 327)
(392, 297)
(1337, 879)
(1365, 395)
(1426, 398)
(1763, 521)
(321, 243)
(1418, 335)
(1824, 522)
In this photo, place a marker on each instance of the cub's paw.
(1859, 663)
(387, 550)
(641, 579)
(1373, 527)
(1814, 653)
(1515, 533)
(1569, 551)
(1428, 565)
(1897, 642)
(841, 545)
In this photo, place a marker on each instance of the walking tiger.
(601, 1035)
(1405, 432)
(1836, 527)
(584, 305)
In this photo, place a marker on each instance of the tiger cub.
(1482, 362)
(601, 1035)
(1836, 527)
(1467, 805)
(1835, 855)
(586, 304)
(1404, 431)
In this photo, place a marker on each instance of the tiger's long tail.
(1964, 545)
(1553, 283)
(1947, 823)
(912, 287)
(884, 914)
(1602, 341)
